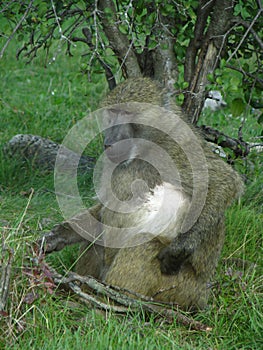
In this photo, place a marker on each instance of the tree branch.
(203, 12)
(249, 29)
(108, 72)
(16, 28)
(118, 41)
(252, 31)
(238, 146)
(42, 152)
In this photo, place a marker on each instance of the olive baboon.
(172, 264)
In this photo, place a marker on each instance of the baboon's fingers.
(51, 242)
(59, 237)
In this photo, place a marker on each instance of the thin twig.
(6, 6)
(245, 35)
(94, 301)
(16, 28)
(257, 79)
(253, 32)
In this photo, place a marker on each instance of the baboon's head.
(128, 134)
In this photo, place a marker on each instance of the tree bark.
(164, 61)
(119, 42)
(208, 46)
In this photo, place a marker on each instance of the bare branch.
(16, 28)
(238, 146)
(246, 34)
(85, 297)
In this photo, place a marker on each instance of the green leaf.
(81, 5)
(237, 107)
(123, 29)
(210, 77)
(152, 44)
(42, 9)
(20, 37)
(44, 28)
(180, 99)
(223, 63)
(219, 80)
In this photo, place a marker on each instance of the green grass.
(48, 102)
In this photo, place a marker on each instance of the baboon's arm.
(185, 246)
(59, 237)
(78, 229)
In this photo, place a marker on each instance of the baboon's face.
(119, 136)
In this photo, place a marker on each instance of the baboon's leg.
(137, 269)
(91, 260)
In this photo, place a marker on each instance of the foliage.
(145, 27)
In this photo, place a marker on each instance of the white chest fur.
(163, 212)
(160, 215)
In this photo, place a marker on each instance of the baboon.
(173, 262)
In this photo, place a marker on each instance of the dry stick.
(99, 287)
(170, 314)
(127, 303)
(5, 277)
(85, 297)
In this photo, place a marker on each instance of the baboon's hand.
(51, 242)
(172, 257)
(59, 237)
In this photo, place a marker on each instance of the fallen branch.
(5, 271)
(238, 146)
(109, 298)
(42, 153)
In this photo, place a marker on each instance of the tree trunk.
(204, 52)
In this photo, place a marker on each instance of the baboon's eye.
(135, 127)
